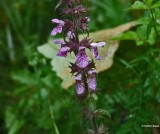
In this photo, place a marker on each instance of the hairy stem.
(93, 119)
(94, 124)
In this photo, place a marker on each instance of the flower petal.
(80, 88)
(93, 44)
(82, 47)
(58, 41)
(70, 34)
(58, 21)
(100, 44)
(95, 53)
(63, 52)
(92, 72)
(92, 84)
(82, 58)
(78, 77)
(56, 30)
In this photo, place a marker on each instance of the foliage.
(32, 100)
(149, 25)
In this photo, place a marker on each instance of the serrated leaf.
(102, 112)
(138, 5)
(60, 65)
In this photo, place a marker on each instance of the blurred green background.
(32, 100)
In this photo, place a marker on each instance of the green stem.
(94, 124)
(91, 107)
(52, 118)
(154, 26)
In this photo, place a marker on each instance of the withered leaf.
(60, 65)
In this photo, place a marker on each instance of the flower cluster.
(75, 20)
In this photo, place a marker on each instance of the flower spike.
(82, 58)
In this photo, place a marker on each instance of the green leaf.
(157, 4)
(130, 35)
(138, 5)
(149, 3)
(125, 128)
(142, 32)
(157, 15)
(12, 123)
(102, 112)
(158, 95)
(152, 37)
(127, 65)
(25, 77)
(144, 20)
(138, 128)
(140, 42)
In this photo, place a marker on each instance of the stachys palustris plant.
(74, 20)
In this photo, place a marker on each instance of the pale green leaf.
(48, 50)
(138, 5)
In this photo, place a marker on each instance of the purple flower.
(78, 77)
(70, 34)
(80, 88)
(58, 41)
(79, 84)
(75, 20)
(82, 58)
(95, 53)
(91, 80)
(63, 50)
(95, 50)
(99, 44)
(58, 28)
